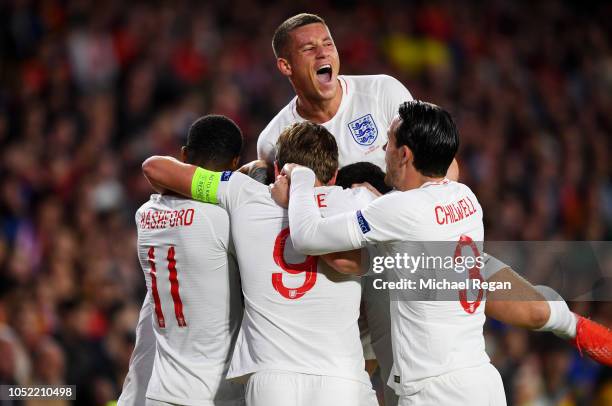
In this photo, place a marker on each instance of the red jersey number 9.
(308, 267)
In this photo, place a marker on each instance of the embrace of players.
(295, 251)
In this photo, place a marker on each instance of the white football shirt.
(184, 251)
(141, 361)
(430, 338)
(360, 126)
(369, 104)
(300, 316)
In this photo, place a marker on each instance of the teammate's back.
(184, 251)
(193, 300)
(300, 315)
(436, 222)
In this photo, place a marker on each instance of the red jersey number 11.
(174, 289)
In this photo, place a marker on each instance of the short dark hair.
(281, 35)
(360, 172)
(311, 145)
(430, 133)
(213, 141)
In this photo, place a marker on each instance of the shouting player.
(439, 355)
(184, 248)
(299, 340)
(356, 110)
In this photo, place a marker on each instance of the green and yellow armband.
(204, 185)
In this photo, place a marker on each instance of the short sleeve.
(394, 93)
(265, 148)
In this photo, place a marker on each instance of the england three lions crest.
(364, 130)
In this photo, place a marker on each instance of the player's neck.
(319, 111)
(416, 180)
(423, 180)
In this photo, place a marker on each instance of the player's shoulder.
(454, 188)
(163, 202)
(242, 187)
(239, 178)
(402, 203)
(444, 191)
(282, 119)
(331, 200)
(370, 83)
(176, 212)
(467, 191)
(360, 195)
(156, 201)
(395, 198)
(341, 200)
(149, 203)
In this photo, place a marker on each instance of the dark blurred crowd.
(89, 89)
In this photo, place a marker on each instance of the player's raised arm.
(167, 173)
(314, 235)
(213, 142)
(310, 233)
(191, 181)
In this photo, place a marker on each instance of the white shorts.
(479, 386)
(152, 402)
(282, 388)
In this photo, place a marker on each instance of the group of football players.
(255, 290)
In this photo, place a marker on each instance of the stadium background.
(89, 89)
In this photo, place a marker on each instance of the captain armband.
(204, 185)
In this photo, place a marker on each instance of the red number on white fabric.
(174, 289)
(308, 267)
(473, 273)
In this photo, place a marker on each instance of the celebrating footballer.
(256, 291)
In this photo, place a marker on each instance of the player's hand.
(288, 169)
(367, 186)
(280, 191)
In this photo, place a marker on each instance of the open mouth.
(324, 74)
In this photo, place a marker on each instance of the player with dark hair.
(360, 173)
(430, 134)
(213, 141)
(193, 302)
(299, 340)
(282, 35)
(356, 109)
(438, 347)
